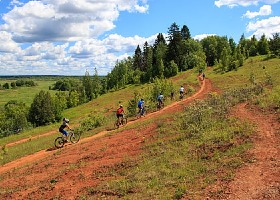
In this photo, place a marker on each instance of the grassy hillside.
(188, 150)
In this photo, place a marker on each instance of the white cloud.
(7, 44)
(60, 37)
(66, 20)
(267, 26)
(264, 10)
(71, 59)
(233, 3)
(201, 36)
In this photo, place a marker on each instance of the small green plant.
(252, 78)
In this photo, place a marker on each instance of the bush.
(93, 121)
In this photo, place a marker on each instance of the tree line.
(151, 63)
(179, 52)
(18, 83)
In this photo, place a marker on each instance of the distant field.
(26, 94)
(23, 94)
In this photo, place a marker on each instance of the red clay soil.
(259, 179)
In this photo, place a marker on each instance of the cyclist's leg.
(118, 116)
(65, 135)
(121, 119)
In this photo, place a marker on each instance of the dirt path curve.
(205, 88)
(260, 179)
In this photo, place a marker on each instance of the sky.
(71, 37)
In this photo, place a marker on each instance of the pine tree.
(138, 59)
(185, 32)
(274, 44)
(88, 87)
(175, 44)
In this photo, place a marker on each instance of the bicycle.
(118, 123)
(142, 112)
(181, 96)
(160, 105)
(61, 140)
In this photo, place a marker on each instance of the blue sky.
(70, 37)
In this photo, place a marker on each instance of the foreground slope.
(67, 172)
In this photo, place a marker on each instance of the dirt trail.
(261, 178)
(205, 88)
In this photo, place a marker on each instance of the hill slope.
(73, 172)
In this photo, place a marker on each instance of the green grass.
(24, 94)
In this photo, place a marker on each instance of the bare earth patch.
(259, 179)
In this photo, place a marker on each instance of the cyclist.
(120, 113)
(140, 106)
(181, 92)
(203, 76)
(160, 99)
(65, 124)
(172, 95)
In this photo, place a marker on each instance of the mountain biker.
(203, 76)
(172, 95)
(120, 113)
(181, 91)
(160, 99)
(140, 106)
(65, 124)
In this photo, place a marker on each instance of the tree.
(175, 44)
(171, 69)
(138, 59)
(6, 86)
(96, 84)
(253, 51)
(88, 87)
(73, 99)
(232, 46)
(185, 32)
(13, 85)
(160, 39)
(209, 45)
(274, 44)
(158, 67)
(224, 59)
(263, 46)
(147, 62)
(192, 55)
(60, 104)
(16, 113)
(42, 109)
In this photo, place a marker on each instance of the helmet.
(66, 120)
(121, 106)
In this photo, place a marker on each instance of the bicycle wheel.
(124, 121)
(74, 137)
(116, 124)
(59, 142)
